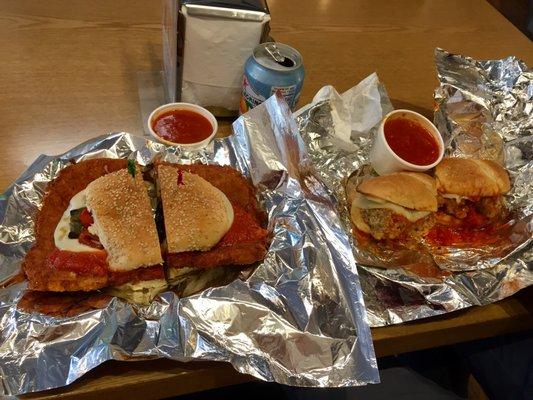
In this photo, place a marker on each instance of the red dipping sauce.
(182, 126)
(410, 141)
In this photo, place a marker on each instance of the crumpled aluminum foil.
(298, 319)
(484, 109)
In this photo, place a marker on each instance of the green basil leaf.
(75, 228)
(131, 167)
(75, 214)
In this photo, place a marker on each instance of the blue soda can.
(273, 67)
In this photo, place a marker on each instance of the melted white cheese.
(364, 202)
(61, 239)
(94, 229)
(455, 197)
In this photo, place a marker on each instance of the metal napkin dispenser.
(205, 46)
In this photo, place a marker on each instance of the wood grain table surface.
(69, 69)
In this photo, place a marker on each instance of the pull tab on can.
(273, 50)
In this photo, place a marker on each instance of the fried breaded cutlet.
(123, 245)
(51, 269)
(244, 243)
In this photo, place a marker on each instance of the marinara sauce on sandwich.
(471, 204)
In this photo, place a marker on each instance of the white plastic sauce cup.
(385, 161)
(183, 106)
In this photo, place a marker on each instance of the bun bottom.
(141, 292)
(187, 281)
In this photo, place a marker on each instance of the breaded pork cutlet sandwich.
(470, 192)
(211, 220)
(96, 230)
(399, 205)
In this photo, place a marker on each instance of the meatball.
(491, 207)
(422, 226)
(452, 207)
(386, 224)
(383, 223)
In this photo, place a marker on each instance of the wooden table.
(69, 72)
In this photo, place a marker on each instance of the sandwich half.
(394, 206)
(470, 191)
(96, 230)
(212, 222)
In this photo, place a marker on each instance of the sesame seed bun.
(123, 220)
(197, 214)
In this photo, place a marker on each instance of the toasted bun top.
(197, 214)
(471, 177)
(408, 189)
(123, 220)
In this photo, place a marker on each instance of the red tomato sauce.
(90, 240)
(95, 264)
(421, 269)
(83, 263)
(86, 218)
(456, 236)
(182, 126)
(411, 141)
(243, 230)
(475, 230)
(474, 219)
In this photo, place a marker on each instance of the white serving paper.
(215, 50)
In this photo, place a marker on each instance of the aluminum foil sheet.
(298, 319)
(484, 109)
